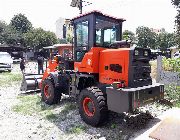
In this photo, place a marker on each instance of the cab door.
(81, 39)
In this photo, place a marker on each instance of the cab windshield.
(106, 32)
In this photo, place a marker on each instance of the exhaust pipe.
(30, 82)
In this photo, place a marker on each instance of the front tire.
(50, 94)
(92, 106)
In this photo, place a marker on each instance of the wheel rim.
(88, 106)
(46, 91)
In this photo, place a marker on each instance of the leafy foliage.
(78, 129)
(8, 35)
(165, 40)
(13, 37)
(145, 37)
(20, 23)
(176, 3)
(39, 38)
(62, 41)
(171, 64)
(3, 27)
(128, 35)
(172, 92)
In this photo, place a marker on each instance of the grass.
(32, 105)
(78, 129)
(9, 78)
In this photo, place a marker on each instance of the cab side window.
(82, 33)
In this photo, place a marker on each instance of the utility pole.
(79, 4)
(80, 7)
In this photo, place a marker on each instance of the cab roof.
(98, 13)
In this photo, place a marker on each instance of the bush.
(171, 64)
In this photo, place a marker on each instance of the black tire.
(53, 96)
(96, 115)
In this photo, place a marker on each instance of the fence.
(166, 77)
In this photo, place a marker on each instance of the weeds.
(78, 129)
(113, 126)
(172, 93)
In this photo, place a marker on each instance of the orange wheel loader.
(108, 74)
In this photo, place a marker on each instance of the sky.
(155, 14)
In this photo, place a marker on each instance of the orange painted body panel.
(90, 61)
(51, 68)
(114, 56)
(97, 58)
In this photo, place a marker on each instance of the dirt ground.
(24, 117)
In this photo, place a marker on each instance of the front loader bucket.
(30, 82)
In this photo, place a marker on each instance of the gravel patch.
(65, 122)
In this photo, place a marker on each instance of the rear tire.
(92, 106)
(50, 94)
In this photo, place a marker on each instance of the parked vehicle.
(154, 54)
(6, 62)
(16, 56)
(176, 55)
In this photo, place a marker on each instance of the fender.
(54, 76)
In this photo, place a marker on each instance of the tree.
(176, 3)
(128, 35)
(8, 35)
(3, 27)
(166, 40)
(20, 23)
(145, 37)
(38, 38)
(62, 41)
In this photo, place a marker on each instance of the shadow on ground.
(118, 126)
(66, 117)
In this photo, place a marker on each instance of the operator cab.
(95, 29)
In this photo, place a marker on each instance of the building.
(64, 30)
(59, 27)
(158, 31)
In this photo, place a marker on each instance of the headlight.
(146, 53)
(136, 52)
